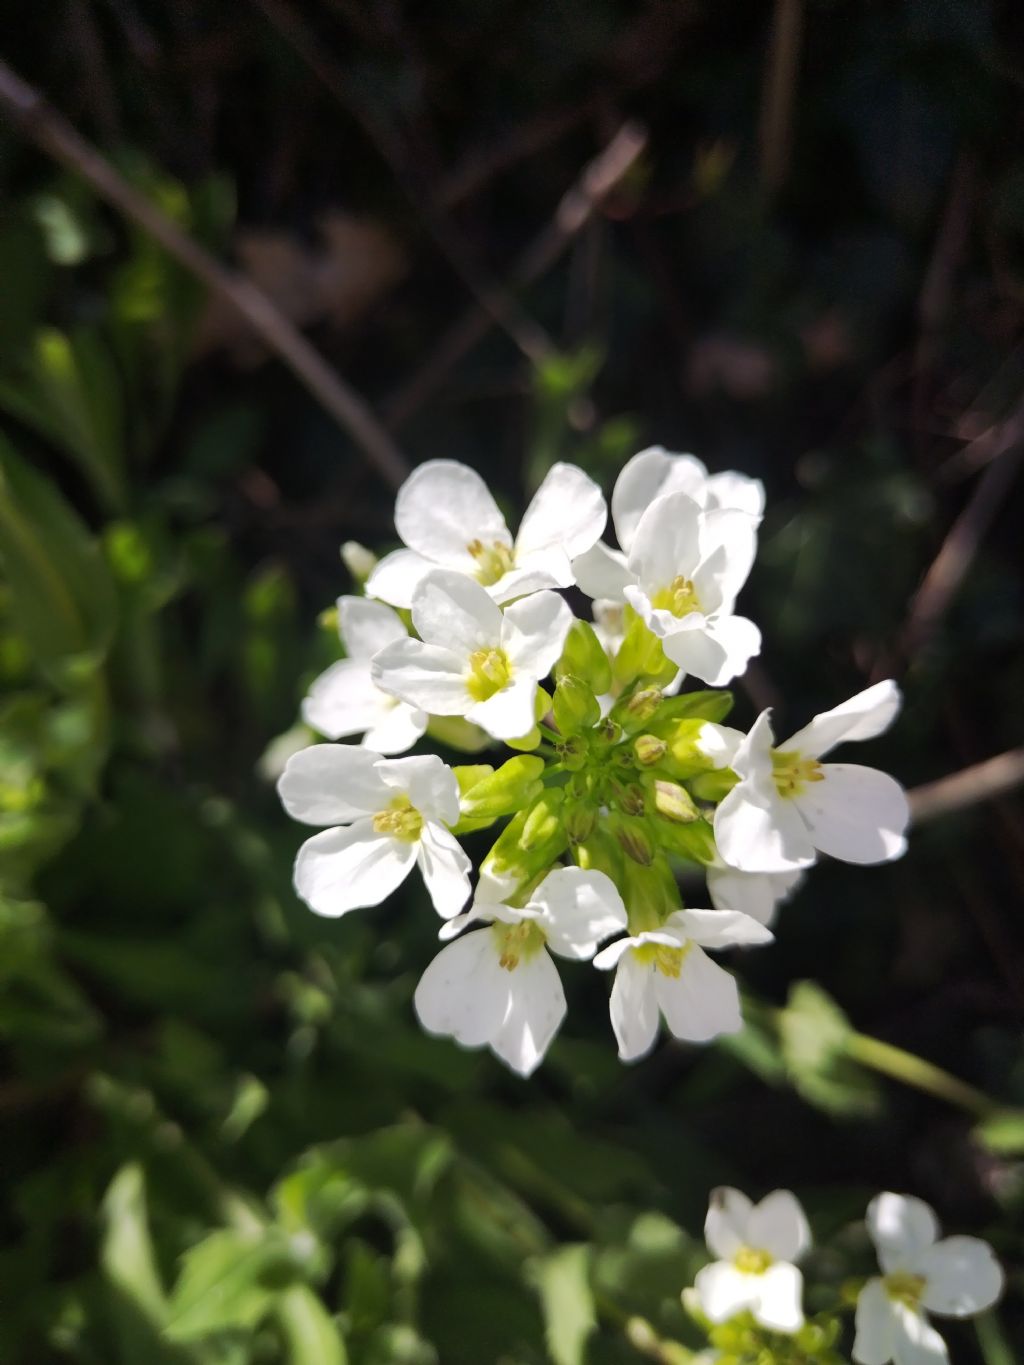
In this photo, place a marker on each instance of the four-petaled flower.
(666, 970)
(758, 1246)
(498, 986)
(472, 658)
(387, 814)
(344, 700)
(447, 517)
(789, 804)
(958, 1277)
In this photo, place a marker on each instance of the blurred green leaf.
(813, 1035)
(225, 1282)
(310, 1333)
(563, 1281)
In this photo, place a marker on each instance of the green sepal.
(650, 893)
(695, 841)
(714, 785)
(600, 852)
(707, 704)
(531, 841)
(458, 733)
(584, 658)
(504, 790)
(575, 706)
(640, 654)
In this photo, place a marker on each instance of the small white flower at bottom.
(758, 1245)
(958, 1276)
(666, 970)
(498, 986)
(387, 815)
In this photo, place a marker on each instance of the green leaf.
(567, 1301)
(62, 596)
(310, 1333)
(225, 1281)
(813, 1034)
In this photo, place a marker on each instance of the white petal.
(397, 728)
(876, 1326)
(856, 814)
(568, 512)
(445, 869)
(737, 491)
(702, 1001)
(442, 507)
(397, 576)
(346, 869)
(544, 570)
(718, 928)
(610, 957)
(366, 626)
(902, 1229)
(534, 630)
(963, 1277)
(429, 783)
(578, 910)
(753, 756)
(633, 1007)
(757, 894)
(667, 542)
(330, 784)
(728, 545)
(647, 476)
(864, 716)
(717, 653)
(757, 830)
(723, 1291)
(426, 676)
(455, 612)
(344, 701)
(778, 1225)
(916, 1342)
(536, 1010)
(719, 743)
(779, 1305)
(464, 992)
(602, 572)
(509, 713)
(725, 1227)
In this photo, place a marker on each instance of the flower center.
(680, 597)
(668, 961)
(489, 672)
(493, 561)
(401, 820)
(904, 1287)
(752, 1260)
(516, 941)
(792, 772)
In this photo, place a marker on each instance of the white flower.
(757, 894)
(446, 516)
(683, 572)
(344, 701)
(498, 986)
(788, 803)
(387, 815)
(757, 1245)
(472, 659)
(958, 1276)
(667, 970)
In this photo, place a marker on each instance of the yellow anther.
(792, 772)
(489, 672)
(752, 1260)
(680, 597)
(904, 1287)
(494, 561)
(516, 941)
(401, 820)
(668, 961)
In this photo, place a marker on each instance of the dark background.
(811, 269)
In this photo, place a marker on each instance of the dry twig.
(52, 133)
(980, 782)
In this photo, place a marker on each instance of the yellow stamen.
(792, 772)
(752, 1260)
(668, 961)
(401, 820)
(680, 597)
(493, 561)
(517, 941)
(489, 672)
(904, 1287)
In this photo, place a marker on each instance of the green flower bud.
(629, 797)
(640, 654)
(575, 706)
(674, 802)
(694, 841)
(634, 838)
(649, 750)
(714, 785)
(649, 892)
(708, 704)
(580, 820)
(584, 658)
(635, 712)
(531, 841)
(573, 754)
(503, 792)
(600, 852)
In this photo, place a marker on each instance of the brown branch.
(52, 134)
(576, 208)
(1005, 442)
(775, 132)
(981, 782)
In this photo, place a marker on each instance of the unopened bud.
(531, 840)
(359, 561)
(635, 841)
(629, 797)
(583, 657)
(642, 705)
(573, 754)
(575, 706)
(675, 803)
(580, 819)
(503, 792)
(649, 750)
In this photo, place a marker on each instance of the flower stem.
(915, 1071)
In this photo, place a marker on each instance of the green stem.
(995, 1348)
(921, 1075)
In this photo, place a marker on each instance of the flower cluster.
(623, 772)
(755, 1289)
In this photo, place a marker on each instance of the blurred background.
(788, 237)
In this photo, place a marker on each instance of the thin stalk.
(921, 1075)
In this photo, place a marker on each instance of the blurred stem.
(921, 1075)
(995, 1349)
(642, 1336)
